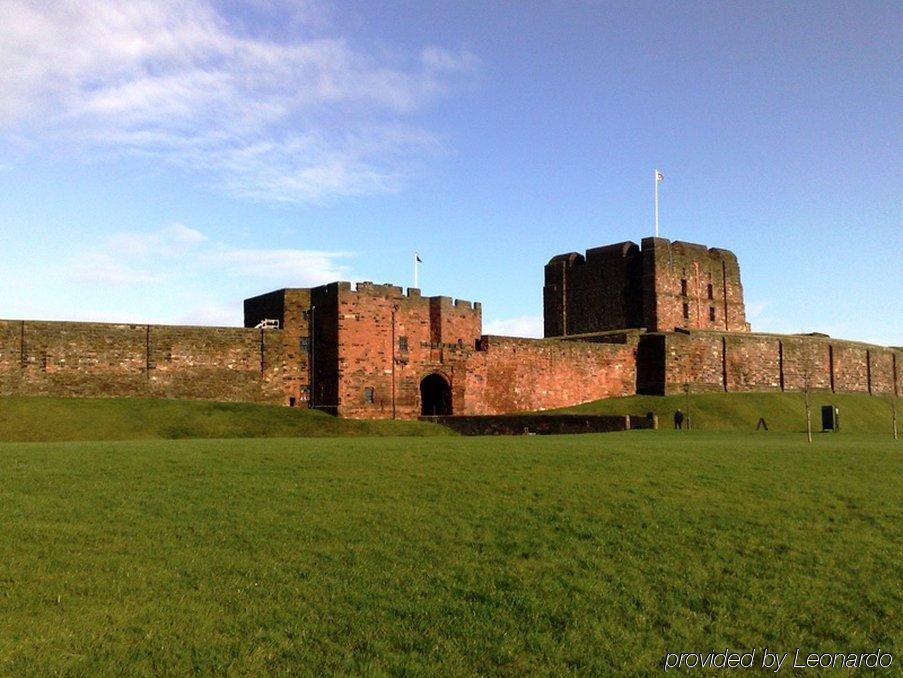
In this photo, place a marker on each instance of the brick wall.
(516, 375)
(752, 362)
(384, 342)
(291, 307)
(730, 361)
(690, 286)
(99, 359)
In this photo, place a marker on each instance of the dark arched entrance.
(435, 395)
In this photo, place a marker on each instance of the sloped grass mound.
(859, 413)
(45, 419)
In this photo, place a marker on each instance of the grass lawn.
(447, 555)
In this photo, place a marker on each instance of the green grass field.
(447, 555)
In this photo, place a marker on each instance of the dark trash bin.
(830, 420)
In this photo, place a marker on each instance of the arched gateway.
(435, 395)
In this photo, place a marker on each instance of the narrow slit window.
(712, 313)
(369, 395)
(711, 291)
(402, 343)
(686, 310)
(683, 286)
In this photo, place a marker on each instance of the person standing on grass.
(678, 420)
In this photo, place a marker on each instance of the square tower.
(660, 287)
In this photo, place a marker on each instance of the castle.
(623, 319)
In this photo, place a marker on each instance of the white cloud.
(212, 315)
(297, 120)
(523, 326)
(168, 241)
(106, 269)
(176, 251)
(286, 266)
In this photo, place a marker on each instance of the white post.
(655, 180)
(415, 271)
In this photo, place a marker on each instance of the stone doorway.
(435, 395)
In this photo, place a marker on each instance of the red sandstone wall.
(596, 292)
(295, 328)
(752, 362)
(695, 358)
(806, 362)
(371, 352)
(728, 361)
(666, 264)
(851, 368)
(96, 359)
(455, 322)
(516, 375)
(883, 369)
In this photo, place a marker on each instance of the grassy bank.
(593, 554)
(47, 419)
(741, 411)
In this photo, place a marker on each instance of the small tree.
(893, 411)
(806, 374)
(687, 392)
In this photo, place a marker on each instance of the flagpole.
(416, 286)
(655, 181)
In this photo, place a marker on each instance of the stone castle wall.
(509, 374)
(100, 359)
(732, 362)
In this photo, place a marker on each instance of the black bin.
(829, 418)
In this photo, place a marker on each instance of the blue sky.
(160, 161)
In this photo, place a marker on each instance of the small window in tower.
(712, 313)
(402, 343)
(304, 344)
(686, 310)
(369, 395)
(683, 286)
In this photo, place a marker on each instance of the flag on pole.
(417, 257)
(659, 176)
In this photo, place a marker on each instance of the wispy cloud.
(288, 120)
(176, 252)
(301, 267)
(103, 268)
(168, 241)
(522, 326)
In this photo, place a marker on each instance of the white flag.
(659, 176)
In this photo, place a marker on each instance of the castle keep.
(618, 320)
(661, 287)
